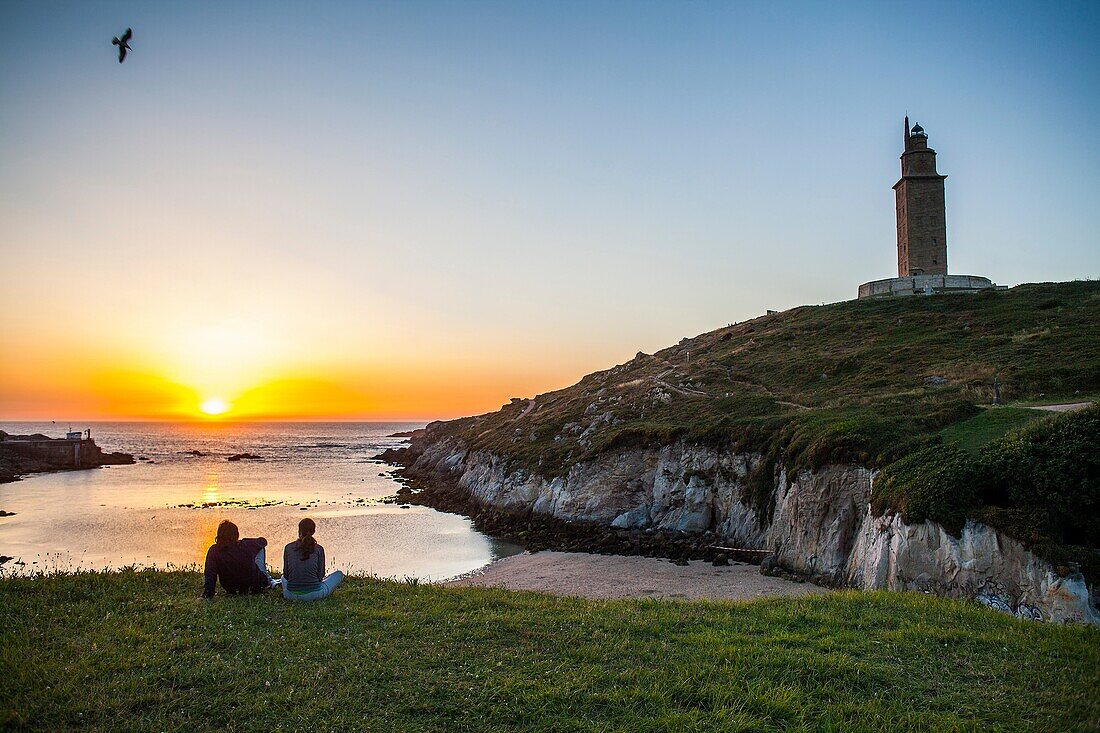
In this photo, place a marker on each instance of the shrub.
(935, 482)
(1039, 484)
(1050, 469)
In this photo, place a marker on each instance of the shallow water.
(122, 515)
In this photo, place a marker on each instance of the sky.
(416, 210)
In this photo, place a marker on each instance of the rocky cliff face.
(817, 523)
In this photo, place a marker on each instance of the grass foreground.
(140, 651)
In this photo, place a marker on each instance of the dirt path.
(1066, 407)
(615, 576)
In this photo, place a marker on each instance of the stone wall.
(926, 284)
(72, 453)
(23, 454)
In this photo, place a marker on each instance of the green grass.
(138, 651)
(989, 424)
(864, 380)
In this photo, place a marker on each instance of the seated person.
(241, 565)
(304, 576)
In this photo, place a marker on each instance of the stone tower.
(922, 217)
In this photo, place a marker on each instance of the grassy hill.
(140, 651)
(869, 382)
(863, 381)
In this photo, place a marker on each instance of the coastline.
(539, 532)
(818, 525)
(164, 508)
(598, 561)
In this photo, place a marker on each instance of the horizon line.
(202, 421)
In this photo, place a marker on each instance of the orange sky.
(271, 338)
(75, 393)
(75, 386)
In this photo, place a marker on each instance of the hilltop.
(865, 381)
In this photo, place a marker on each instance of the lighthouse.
(921, 208)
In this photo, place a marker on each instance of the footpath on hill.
(618, 576)
(1066, 407)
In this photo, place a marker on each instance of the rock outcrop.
(981, 563)
(816, 523)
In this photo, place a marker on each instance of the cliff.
(774, 434)
(819, 523)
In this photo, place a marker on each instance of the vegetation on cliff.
(139, 651)
(1039, 483)
(864, 381)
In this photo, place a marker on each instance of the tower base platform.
(927, 285)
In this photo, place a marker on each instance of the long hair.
(306, 543)
(227, 534)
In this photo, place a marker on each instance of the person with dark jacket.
(241, 565)
(304, 576)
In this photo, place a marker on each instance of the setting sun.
(214, 406)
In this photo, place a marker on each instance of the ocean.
(163, 512)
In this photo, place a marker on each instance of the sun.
(214, 406)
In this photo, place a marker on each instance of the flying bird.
(123, 44)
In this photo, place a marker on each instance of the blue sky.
(532, 190)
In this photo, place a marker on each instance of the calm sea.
(164, 511)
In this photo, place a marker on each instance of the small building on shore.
(921, 229)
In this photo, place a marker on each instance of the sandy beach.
(616, 576)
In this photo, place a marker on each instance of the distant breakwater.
(24, 454)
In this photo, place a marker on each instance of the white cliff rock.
(981, 563)
(816, 518)
(820, 524)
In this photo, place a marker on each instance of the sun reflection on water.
(210, 491)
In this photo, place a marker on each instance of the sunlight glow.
(214, 406)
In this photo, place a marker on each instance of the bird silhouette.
(123, 44)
